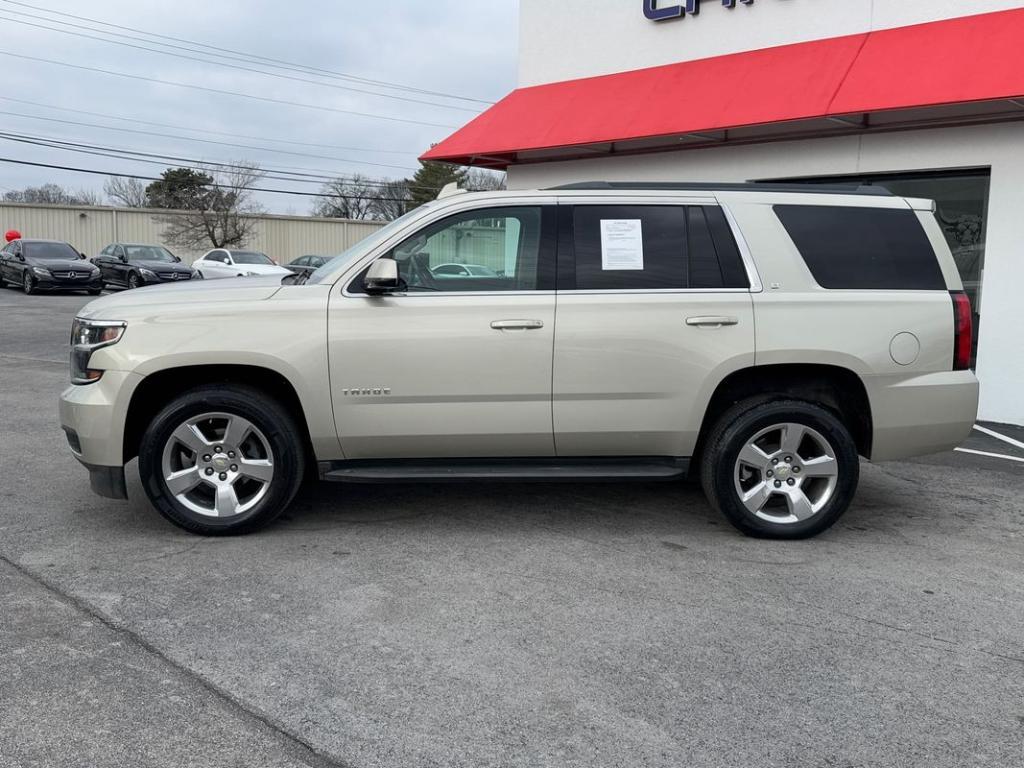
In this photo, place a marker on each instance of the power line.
(203, 130)
(218, 63)
(222, 52)
(221, 92)
(203, 141)
(96, 172)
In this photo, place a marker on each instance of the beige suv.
(759, 337)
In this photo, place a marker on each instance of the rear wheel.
(222, 460)
(784, 469)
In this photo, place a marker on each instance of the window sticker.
(622, 244)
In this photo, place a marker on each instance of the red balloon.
(12, 234)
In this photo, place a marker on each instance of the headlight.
(86, 337)
(41, 271)
(94, 270)
(148, 274)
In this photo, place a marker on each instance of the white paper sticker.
(622, 244)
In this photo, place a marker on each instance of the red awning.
(945, 72)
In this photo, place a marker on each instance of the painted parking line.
(997, 436)
(990, 454)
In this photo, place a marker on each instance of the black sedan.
(132, 265)
(307, 265)
(47, 265)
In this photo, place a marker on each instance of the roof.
(938, 73)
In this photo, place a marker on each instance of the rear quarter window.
(863, 248)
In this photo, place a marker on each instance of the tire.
(94, 291)
(133, 281)
(263, 432)
(795, 463)
(28, 284)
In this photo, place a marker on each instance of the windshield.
(49, 251)
(364, 245)
(251, 257)
(149, 253)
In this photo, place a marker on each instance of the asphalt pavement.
(499, 625)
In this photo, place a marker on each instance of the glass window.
(50, 251)
(149, 253)
(250, 257)
(961, 199)
(630, 247)
(863, 248)
(497, 249)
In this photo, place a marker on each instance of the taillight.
(962, 331)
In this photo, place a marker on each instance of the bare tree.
(131, 193)
(482, 180)
(52, 194)
(226, 214)
(392, 200)
(351, 198)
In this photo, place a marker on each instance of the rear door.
(654, 309)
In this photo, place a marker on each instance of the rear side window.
(863, 248)
(654, 247)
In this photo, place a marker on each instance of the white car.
(221, 262)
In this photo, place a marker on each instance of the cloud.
(450, 46)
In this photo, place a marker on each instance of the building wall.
(90, 229)
(1000, 347)
(580, 38)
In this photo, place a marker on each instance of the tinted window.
(630, 247)
(49, 251)
(219, 256)
(149, 253)
(250, 257)
(863, 248)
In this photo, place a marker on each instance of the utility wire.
(221, 92)
(96, 172)
(221, 52)
(202, 141)
(233, 134)
(221, 63)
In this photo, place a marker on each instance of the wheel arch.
(157, 389)
(838, 389)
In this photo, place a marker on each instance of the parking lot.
(499, 625)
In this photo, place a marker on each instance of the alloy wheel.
(786, 473)
(218, 465)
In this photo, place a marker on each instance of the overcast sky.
(459, 47)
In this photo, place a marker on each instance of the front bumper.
(924, 414)
(93, 418)
(63, 284)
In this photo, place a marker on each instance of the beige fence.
(90, 229)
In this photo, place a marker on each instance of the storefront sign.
(692, 7)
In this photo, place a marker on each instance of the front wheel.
(222, 460)
(783, 469)
(28, 285)
(133, 280)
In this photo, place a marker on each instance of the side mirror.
(123, 257)
(177, 259)
(82, 255)
(382, 277)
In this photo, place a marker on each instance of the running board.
(650, 468)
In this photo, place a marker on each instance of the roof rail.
(752, 186)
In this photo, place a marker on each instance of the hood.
(263, 269)
(183, 293)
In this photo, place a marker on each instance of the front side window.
(218, 256)
(497, 249)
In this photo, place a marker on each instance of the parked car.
(132, 265)
(307, 265)
(463, 270)
(758, 337)
(221, 262)
(47, 265)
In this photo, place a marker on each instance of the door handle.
(712, 321)
(517, 325)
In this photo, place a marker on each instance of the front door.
(654, 308)
(453, 365)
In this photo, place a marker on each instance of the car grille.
(174, 275)
(71, 275)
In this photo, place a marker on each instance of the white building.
(925, 97)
